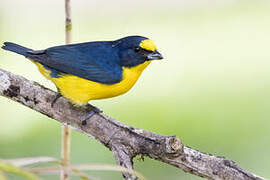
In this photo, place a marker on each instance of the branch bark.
(124, 141)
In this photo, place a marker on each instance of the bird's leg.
(93, 111)
(58, 95)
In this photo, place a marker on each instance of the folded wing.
(93, 61)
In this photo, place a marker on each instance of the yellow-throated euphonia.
(92, 70)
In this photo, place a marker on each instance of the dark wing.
(95, 61)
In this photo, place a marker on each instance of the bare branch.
(124, 141)
(66, 132)
(123, 158)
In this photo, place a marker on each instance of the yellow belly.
(79, 91)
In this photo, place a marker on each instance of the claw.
(93, 111)
(58, 95)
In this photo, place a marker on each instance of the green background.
(211, 90)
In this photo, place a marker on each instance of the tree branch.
(124, 141)
(66, 132)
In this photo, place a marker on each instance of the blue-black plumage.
(104, 62)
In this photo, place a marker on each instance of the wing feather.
(95, 61)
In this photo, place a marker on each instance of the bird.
(92, 70)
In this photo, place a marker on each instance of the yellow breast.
(79, 91)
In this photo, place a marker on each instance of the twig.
(30, 161)
(76, 168)
(124, 141)
(66, 133)
(68, 21)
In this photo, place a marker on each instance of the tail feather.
(16, 48)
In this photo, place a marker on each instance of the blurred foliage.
(8, 168)
(44, 165)
(211, 90)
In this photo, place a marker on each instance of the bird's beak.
(154, 55)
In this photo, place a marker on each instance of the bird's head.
(135, 50)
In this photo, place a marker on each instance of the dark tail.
(16, 48)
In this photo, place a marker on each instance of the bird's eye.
(136, 49)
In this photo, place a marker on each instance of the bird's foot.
(58, 95)
(94, 110)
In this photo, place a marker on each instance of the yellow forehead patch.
(148, 44)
